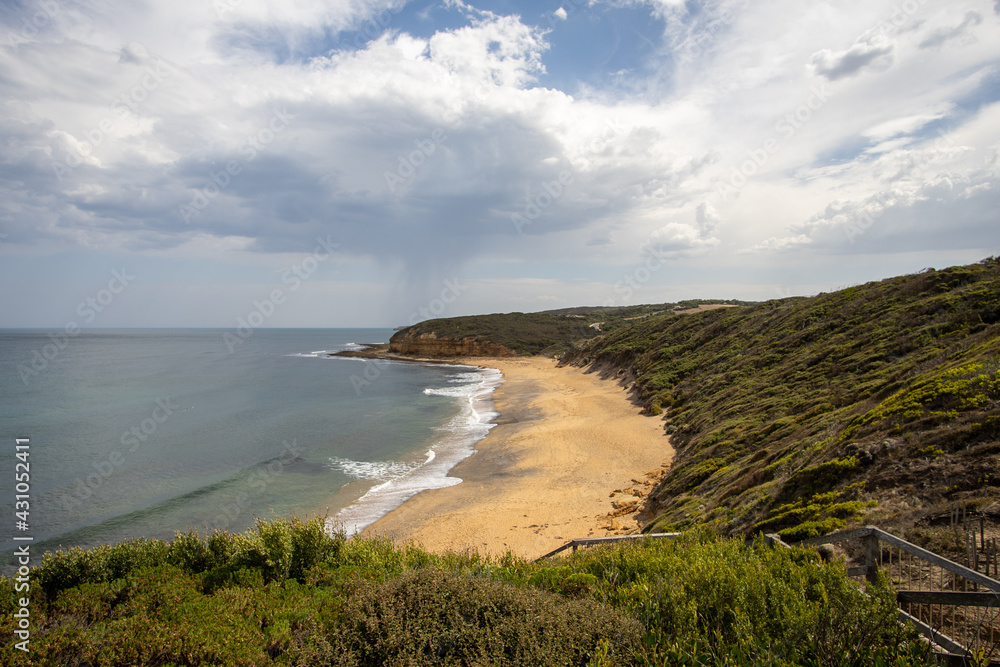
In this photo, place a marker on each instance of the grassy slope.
(802, 414)
(546, 332)
(525, 333)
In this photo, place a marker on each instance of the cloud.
(707, 218)
(908, 219)
(677, 239)
(908, 213)
(560, 13)
(417, 146)
(905, 125)
(779, 244)
(198, 152)
(962, 31)
(871, 51)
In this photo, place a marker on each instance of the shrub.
(311, 545)
(431, 617)
(697, 599)
(722, 600)
(820, 477)
(65, 569)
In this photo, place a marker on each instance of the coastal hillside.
(547, 332)
(876, 403)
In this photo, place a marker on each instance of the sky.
(353, 163)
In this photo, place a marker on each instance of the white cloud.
(678, 239)
(707, 218)
(905, 125)
(780, 244)
(644, 159)
(871, 51)
(963, 32)
(942, 193)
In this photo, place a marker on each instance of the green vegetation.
(879, 392)
(800, 416)
(548, 332)
(288, 594)
(525, 333)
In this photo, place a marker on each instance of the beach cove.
(568, 457)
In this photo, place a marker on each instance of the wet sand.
(569, 457)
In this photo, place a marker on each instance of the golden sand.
(566, 441)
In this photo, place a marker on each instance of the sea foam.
(399, 481)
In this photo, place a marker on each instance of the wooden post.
(954, 524)
(871, 557)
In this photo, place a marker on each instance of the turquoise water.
(145, 432)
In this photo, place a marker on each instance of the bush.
(697, 599)
(438, 618)
(65, 569)
(721, 599)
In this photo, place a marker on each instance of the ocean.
(141, 433)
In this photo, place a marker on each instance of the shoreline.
(456, 441)
(569, 456)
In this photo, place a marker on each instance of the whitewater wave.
(326, 353)
(398, 482)
(377, 471)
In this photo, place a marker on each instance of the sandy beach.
(570, 456)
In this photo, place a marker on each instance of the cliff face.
(430, 345)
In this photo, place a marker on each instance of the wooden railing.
(591, 541)
(956, 632)
(966, 620)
